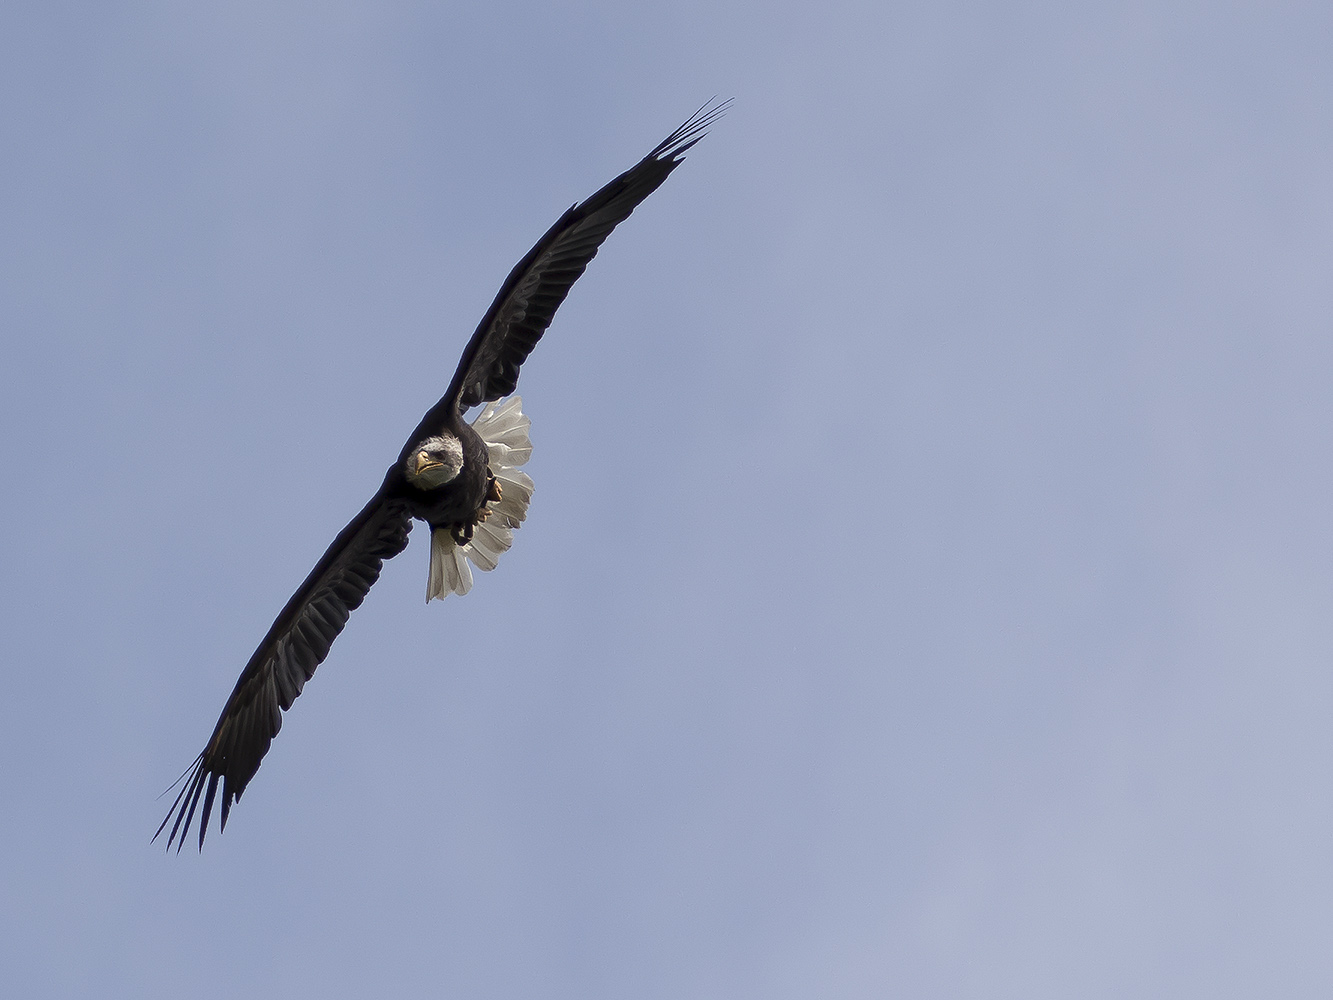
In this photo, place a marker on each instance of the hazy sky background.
(929, 586)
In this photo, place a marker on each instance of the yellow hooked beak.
(425, 462)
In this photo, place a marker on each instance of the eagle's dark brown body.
(456, 504)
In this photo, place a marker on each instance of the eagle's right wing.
(296, 644)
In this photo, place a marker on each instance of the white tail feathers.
(504, 428)
(449, 572)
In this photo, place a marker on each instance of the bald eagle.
(461, 479)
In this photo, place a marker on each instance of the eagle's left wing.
(532, 293)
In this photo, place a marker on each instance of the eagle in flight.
(461, 479)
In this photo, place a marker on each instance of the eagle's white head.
(434, 462)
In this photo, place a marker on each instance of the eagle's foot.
(494, 494)
(462, 533)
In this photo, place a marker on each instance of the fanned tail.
(504, 427)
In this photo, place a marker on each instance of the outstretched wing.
(539, 282)
(296, 644)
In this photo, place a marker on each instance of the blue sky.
(927, 586)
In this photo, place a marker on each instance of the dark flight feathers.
(529, 297)
(300, 638)
(296, 644)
